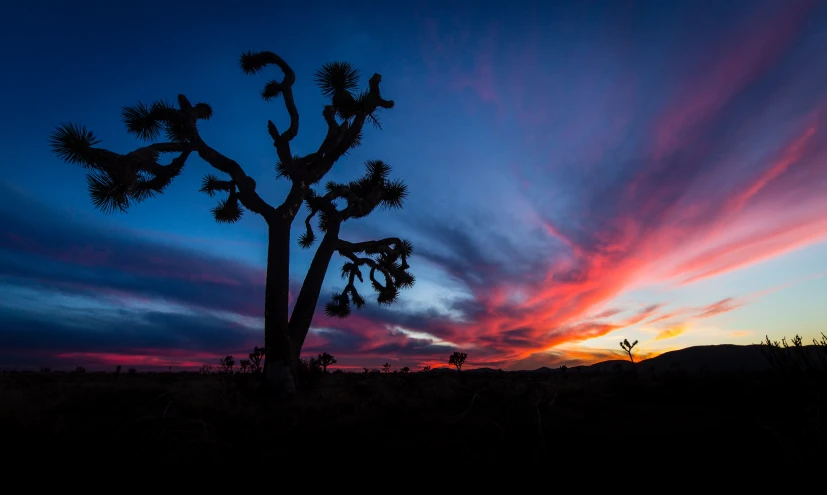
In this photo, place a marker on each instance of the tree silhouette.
(245, 365)
(255, 359)
(227, 364)
(386, 368)
(626, 346)
(457, 359)
(405, 370)
(426, 368)
(118, 181)
(326, 360)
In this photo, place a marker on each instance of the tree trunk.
(279, 367)
(308, 297)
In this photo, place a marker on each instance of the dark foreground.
(608, 418)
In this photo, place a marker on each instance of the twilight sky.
(579, 173)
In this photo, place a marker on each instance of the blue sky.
(579, 173)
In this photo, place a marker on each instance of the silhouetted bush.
(386, 368)
(226, 364)
(205, 369)
(457, 359)
(310, 370)
(244, 365)
(256, 357)
(797, 361)
(326, 360)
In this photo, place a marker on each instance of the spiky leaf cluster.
(148, 122)
(229, 209)
(114, 181)
(337, 79)
(387, 262)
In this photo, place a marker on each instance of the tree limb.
(253, 62)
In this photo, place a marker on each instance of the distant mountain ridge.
(723, 358)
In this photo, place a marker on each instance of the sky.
(579, 173)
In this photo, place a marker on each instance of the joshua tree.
(118, 369)
(405, 370)
(426, 368)
(457, 359)
(227, 364)
(326, 360)
(386, 368)
(118, 181)
(244, 365)
(626, 346)
(255, 359)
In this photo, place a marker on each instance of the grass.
(465, 417)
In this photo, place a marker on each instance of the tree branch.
(254, 62)
(341, 137)
(246, 185)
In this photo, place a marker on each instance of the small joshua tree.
(326, 360)
(227, 364)
(426, 368)
(386, 368)
(626, 346)
(205, 369)
(255, 359)
(405, 370)
(244, 365)
(457, 359)
(116, 182)
(118, 370)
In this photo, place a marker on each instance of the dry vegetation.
(462, 416)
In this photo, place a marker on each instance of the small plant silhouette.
(227, 364)
(326, 360)
(457, 359)
(80, 369)
(45, 369)
(256, 358)
(626, 346)
(405, 370)
(205, 369)
(244, 365)
(796, 361)
(426, 368)
(131, 371)
(386, 368)
(118, 369)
